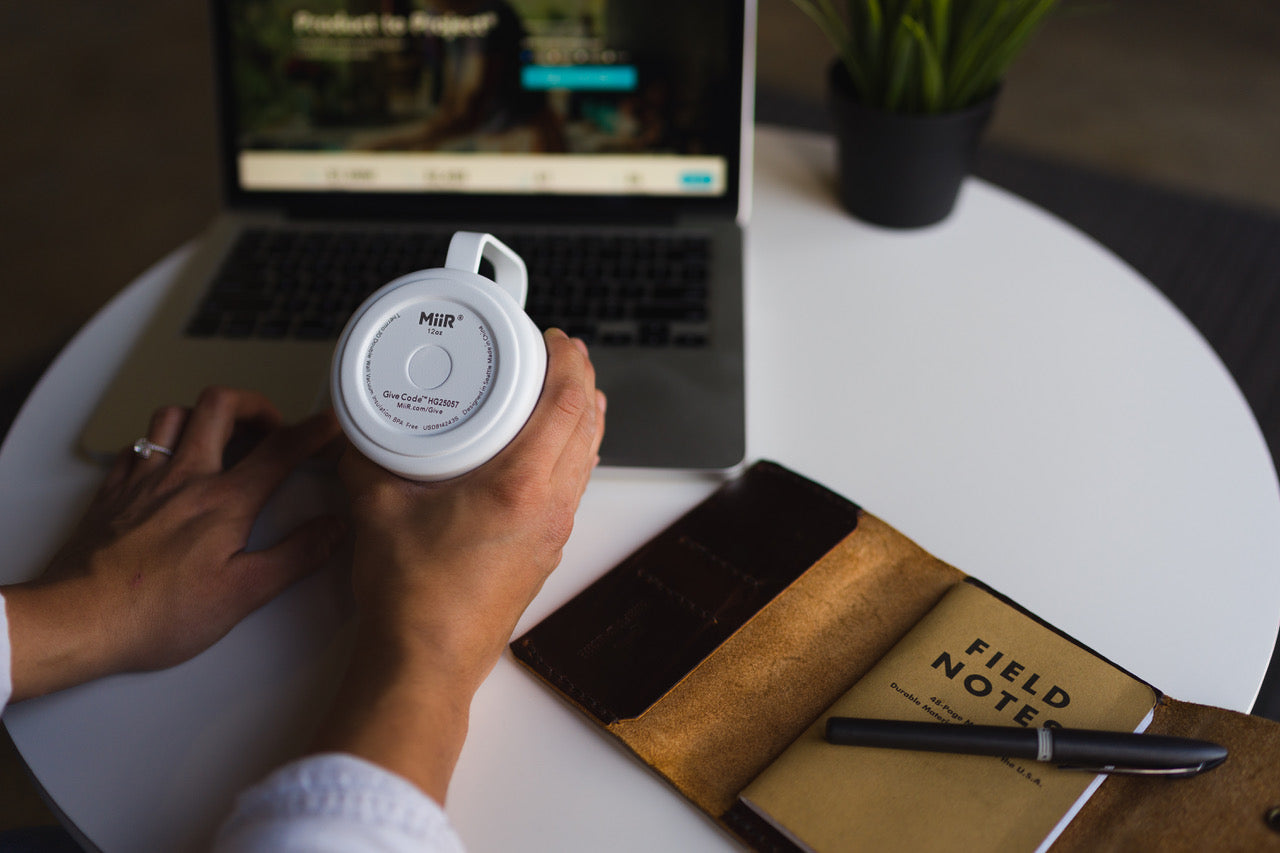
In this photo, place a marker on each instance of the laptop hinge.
(504, 210)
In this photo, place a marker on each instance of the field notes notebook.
(976, 659)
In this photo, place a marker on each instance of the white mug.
(438, 370)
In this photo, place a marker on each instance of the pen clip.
(1173, 772)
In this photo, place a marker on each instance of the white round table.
(998, 387)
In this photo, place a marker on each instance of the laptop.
(610, 146)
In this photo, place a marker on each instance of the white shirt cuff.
(6, 658)
(336, 802)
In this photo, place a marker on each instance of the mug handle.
(467, 247)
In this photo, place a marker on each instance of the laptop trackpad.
(671, 416)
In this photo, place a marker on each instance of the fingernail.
(581, 345)
(602, 402)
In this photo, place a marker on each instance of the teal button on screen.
(582, 77)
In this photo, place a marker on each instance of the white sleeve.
(336, 803)
(324, 803)
(6, 659)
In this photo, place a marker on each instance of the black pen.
(1075, 749)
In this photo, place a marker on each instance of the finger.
(574, 468)
(357, 471)
(582, 465)
(164, 430)
(578, 457)
(360, 475)
(167, 425)
(564, 399)
(594, 418)
(118, 473)
(260, 576)
(276, 456)
(212, 420)
(602, 409)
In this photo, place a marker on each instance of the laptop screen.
(617, 98)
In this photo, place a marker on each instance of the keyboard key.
(654, 334)
(611, 290)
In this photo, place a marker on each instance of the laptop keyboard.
(610, 290)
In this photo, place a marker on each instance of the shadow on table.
(38, 839)
(16, 386)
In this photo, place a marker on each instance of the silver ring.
(144, 447)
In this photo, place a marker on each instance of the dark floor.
(109, 143)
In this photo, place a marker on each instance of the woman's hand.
(156, 572)
(444, 570)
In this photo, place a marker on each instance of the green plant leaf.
(930, 70)
(979, 26)
(930, 55)
(1017, 27)
(901, 54)
(941, 27)
(833, 26)
(868, 28)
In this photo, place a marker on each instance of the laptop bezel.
(428, 206)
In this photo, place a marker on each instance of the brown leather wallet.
(712, 647)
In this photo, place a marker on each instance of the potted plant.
(911, 90)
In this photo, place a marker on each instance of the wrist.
(426, 649)
(435, 615)
(402, 708)
(55, 641)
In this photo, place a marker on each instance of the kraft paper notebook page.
(724, 639)
(972, 659)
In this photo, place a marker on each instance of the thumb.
(265, 574)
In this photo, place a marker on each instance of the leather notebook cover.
(719, 642)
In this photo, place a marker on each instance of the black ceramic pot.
(902, 170)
